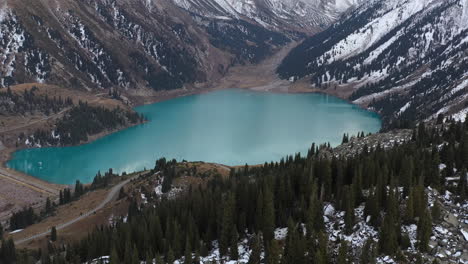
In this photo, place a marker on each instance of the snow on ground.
(461, 116)
(281, 233)
(334, 222)
(404, 108)
(398, 12)
(16, 231)
(459, 87)
(3, 11)
(386, 260)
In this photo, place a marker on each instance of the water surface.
(231, 127)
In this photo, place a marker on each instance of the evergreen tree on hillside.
(343, 253)
(388, 239)
(256, 246)
(268, 216)
(424, 231)
(228, 227)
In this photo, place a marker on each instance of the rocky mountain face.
(404, 58)
(302, 15)
(136, 45)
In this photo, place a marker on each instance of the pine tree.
(256, 246)
(8, 251)
(188, 252)
(196, 260)
(388, 242)
(343, 253)
(268, 217)
(170, 258)
(159, 259)
(372, 209)
(349, 211)
(409, 208)
(367, 253)
(424, 231)
(227, 224)
(273, 256)
(135, 257)
(127, 252)
(259, 213)
(234, 250)
(114, 257)
(53, 234)
(48, 206)
(321, 253)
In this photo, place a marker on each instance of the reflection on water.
(232, 127)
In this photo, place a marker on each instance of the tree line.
(291, 193)
(83, 121)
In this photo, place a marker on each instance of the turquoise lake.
(232, 127)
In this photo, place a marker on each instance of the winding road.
(110, 196)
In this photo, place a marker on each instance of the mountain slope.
(139, 46)
(274, 14)
(403, 58)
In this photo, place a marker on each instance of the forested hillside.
(378, 206)
(80, 122)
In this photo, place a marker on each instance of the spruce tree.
(170, 258)
(409, 208)
(424, 231)
(388, 243)
(256, 246)
(135, 257)
(227, 224)
(53, 234)
(274, 252)
(8, 251)
(114, 257)
(343, 253)
(268, 216)
(188, 252)
(367, 253)
(234, 250)
(349, 212)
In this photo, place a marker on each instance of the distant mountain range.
(146, 45)
(406, 59)
(302, 15)
(403, 58)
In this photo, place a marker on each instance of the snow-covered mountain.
(137, 45)
(404, 58)
(275, 14)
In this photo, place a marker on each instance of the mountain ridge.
(409, 48)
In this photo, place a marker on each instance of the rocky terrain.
(405, 59)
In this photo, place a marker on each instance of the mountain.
(143, 46)
(137, 45)
(275, 14)
(405, 59)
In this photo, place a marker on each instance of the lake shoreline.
(269, 108)
(6, 154)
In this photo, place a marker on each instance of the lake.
(232, 127)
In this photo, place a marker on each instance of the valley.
(350, 114)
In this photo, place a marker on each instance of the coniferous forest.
(83, 121)
(392, 185)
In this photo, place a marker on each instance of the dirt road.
(110, 196)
